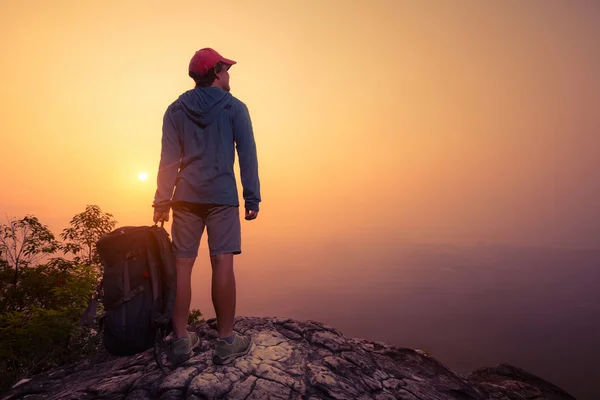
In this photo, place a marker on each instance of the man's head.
(209, 68)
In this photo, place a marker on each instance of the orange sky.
(396, 121)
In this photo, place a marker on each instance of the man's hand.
(251, 214)
(161, 216)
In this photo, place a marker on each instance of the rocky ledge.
(290, 360)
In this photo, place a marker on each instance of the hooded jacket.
(201, 131)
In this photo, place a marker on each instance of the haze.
(396, 121)
(381, 126)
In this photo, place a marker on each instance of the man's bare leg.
(223, 292)
(183, 298)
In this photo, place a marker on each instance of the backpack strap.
(161, 346)
(88, 316)
(126, 284)
(165, 273)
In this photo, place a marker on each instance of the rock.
(22, 381)
(243, 389)
(330, 341)
(289, 360)
(211, 385)
(178, 381)
(139, 394)
(264, 389)
(506, 380)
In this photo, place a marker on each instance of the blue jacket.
(201, 130)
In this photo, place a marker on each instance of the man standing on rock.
(201, 131)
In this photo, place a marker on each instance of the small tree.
(24, 242)
(6, 289)
(86, 228)
(195, 317)
(39, 317)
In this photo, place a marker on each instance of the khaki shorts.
(222, 224)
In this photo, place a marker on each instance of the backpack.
(138, 285)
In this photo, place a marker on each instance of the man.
(201, 131)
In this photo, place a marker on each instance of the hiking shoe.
(225, 353)
(182, 348)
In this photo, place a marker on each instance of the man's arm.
(246, 149)
(170, 159)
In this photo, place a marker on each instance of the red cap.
(205, 59)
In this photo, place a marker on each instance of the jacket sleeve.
(170, 160)
(246, 150)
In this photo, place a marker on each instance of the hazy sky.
(399, 121)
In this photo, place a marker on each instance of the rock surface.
(290, 360)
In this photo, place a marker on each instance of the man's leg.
(224, 241)
(223, 292)
(183, 343)
(183, 297)
(187, 229)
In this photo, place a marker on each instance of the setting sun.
(143, 176)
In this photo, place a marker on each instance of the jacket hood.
(203, 105)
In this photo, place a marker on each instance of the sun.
(142, 176)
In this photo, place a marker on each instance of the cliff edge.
(290, 360)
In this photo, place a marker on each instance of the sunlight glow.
(143, 176)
